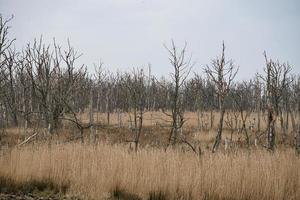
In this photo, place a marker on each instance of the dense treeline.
(43, 85)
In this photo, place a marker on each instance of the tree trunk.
(287, 123)
(139, 131)
(91, 119)
(258, 120)
(294, 126)
(283, 127)
(219, 133)
(98, 106)
(298, 140)
(271, 129)
(107, 109)
(298, 132)
(13, 104)
(211, 119)
(108, 117)
(81, 135)
(119, 118)
(198, 120)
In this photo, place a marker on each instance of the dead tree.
(73, 81)
(91, 115)
(298, 132)
(209, 94)
(5, 41)
(277, 81)
(199, 99)
(258, 91)
(109, 99)
(54, 80)
(100, 76)
(9, 72)
(39, 68)
(182, 67)
(242, 96)
(7, 66)
(25, 94)
(297, 93)
(136, 85)
(292, 106)
(222, 73)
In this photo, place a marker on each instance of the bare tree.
(297, 93)
(242, 96)
(110, 84)
(136, 85)
(100, 76)
(293, 102)
(258, 93)
(9, 73)
(195, 90)
(222, 73)
(5, 41)
(277, 81)
(54, 80)
(7, 66)
(182, 67)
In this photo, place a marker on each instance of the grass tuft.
(119, 194)
(9, 185)
(157, 196)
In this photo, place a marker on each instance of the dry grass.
(109, 170)
(100, 171)
(153, 118)
(156, 127)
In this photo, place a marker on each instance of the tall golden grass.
(98, 171)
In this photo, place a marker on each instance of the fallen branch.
(28, 139)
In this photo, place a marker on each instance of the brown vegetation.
(101, 171)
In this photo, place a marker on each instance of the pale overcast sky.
(131, 33)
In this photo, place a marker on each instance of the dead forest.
(152, 127)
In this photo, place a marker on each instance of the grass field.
(109, 169)
(103, 171)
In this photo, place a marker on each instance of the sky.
(131, 33)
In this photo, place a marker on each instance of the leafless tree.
(293, 102)
(195, 90)
(5, 41)
(54, 79)
(7, 67)
(100, 77)
(277, 81)
(241, 95)
(182, 66)
(222, 73)
(258, 93)
(136, 85)
(9, 73)
(297, 93)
